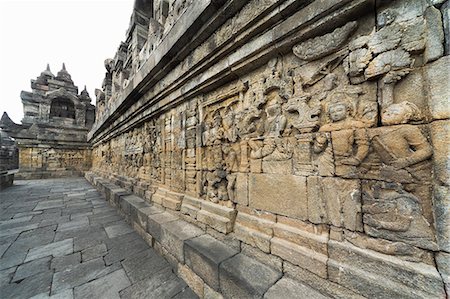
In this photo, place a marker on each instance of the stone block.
(289, 288)
(441, 204)
(144, 234)
(107, 286)
(443, 266)
(241, 196)
(59, 248)
(254, 230)
(300, 256)
(216, 216)
(445, 10)
(190, 206)
(155, 221)
(335, 201)
(159, 196)
(144, 212)
(94, 252)
(268, 259)
(192, 280)
(204, 254)
(435, 35)
(361, 270)
(437, 78)
(32, 268)
(243, 277)
(175, 233)
(323, 285)
(280, 194)
(209, 293)
(172, 200)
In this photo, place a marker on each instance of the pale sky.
(81, 33)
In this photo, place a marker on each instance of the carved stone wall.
(316, 132)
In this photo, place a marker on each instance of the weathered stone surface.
(216, 216)
(254, 229)
(323, 285)
(281, 194)
(354, 268)
(174, 235)
(195, 283)
(62, 263)
(438, 94)
(204, 254)
(143, 264)
(77, 275)
(443, 266)
(80, 274)
(118, 230)
(162, 284)
(435, 34)
(289, 288)
(94, 252)
(60, 248)
(267, 259)
(243, 277)
(32, 268)
(155, 221)
(28, 287)
(313, 132)
(107, 286)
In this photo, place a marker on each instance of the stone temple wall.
(316, 132)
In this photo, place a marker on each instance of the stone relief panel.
(332, 138)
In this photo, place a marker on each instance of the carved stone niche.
(394, 212)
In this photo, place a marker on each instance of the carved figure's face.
(337, 112)
(394, 114)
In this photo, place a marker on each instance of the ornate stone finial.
(63, 75)
(46, 73)
(84, 95)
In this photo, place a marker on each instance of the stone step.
(210, 266)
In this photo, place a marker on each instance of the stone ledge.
(7, 179)
(222, 269)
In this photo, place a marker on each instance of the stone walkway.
(60, 239)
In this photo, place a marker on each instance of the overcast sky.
(81, 33)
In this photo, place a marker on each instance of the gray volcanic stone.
(243, 277)
(289, 288)
(107, 286)
(204, 254)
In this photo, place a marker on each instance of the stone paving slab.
(59, 238)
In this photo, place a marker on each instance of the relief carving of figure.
(276, 121)
(401, 147)
(392, 213)
(350, 140)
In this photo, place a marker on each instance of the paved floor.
(59, 238)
